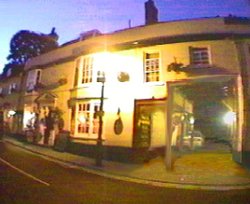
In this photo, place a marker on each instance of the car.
(193, 140)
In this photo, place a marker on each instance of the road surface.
(29, 178)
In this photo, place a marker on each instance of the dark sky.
(71, 17)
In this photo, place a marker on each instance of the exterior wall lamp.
(99, 146)
(229, 118)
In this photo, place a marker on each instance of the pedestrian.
(49, 123)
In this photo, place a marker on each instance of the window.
(87, 70)
(34, 77)
(38, 76)
(12, 88)
(87, 121)
(151, 67)
(199, 55)
(9, 72)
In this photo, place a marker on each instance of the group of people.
(47, 127)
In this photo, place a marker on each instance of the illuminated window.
(87, 70)
(199, 56)
(151, 67)
(87, 120)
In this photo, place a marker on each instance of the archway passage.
(209, 122)
(204, 117)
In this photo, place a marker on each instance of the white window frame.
(33, 78)
(199, 60)
(89, 127)
(86, 70)
(152, 67)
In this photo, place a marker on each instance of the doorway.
(150, 125)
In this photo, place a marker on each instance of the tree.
(27, 44)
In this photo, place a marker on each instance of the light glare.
(229, 118)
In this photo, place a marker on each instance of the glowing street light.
(100, 78)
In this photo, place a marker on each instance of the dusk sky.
(71, 17)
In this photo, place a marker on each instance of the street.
(29, 178)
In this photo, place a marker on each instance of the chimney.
(53, 35)
(151, 12)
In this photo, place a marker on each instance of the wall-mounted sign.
(118, 125)
(144, 131)
(123, 76)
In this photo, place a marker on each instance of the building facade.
(146, 68)
(10, 108)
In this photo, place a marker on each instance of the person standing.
(49, 123)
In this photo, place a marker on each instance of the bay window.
(86, 121)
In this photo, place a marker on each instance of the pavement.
(203, 171)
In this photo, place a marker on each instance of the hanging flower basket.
(176, 67)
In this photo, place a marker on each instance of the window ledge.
(155, 83)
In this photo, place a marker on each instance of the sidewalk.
(210, 171)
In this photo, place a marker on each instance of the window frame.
(153, 71)
(12, 87)
(38, 73)
(33, 79)
(90, 128)
(199, 62)
(86, 70)
(9, 72)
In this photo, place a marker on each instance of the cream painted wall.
(12, 98)
(51, 75)
(122, 95)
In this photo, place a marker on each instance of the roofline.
(144, 25)
(151, 42)
(227, 19)
(88, 47)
